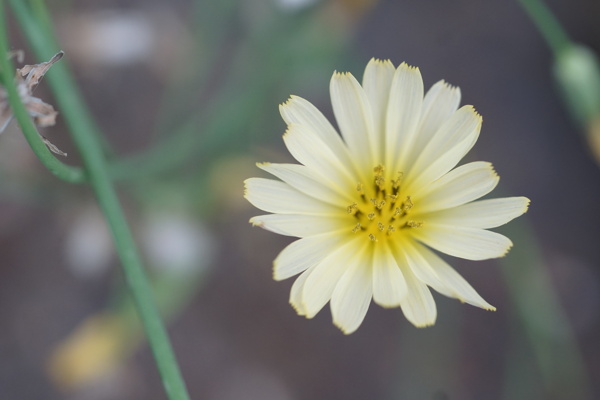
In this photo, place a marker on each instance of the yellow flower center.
(381, 210)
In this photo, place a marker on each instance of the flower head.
(370, 205)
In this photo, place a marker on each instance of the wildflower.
(370, 205)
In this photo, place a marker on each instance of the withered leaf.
(27, 79)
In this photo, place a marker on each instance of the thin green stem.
(237, 102)
(547, 24)
(68, 98)
(62, 171)
(87, 139)
(543, 318)
(213, 27)
(165, 155)
(185, 142)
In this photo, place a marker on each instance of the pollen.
(381, 210)
(414, 224)
(352, 208)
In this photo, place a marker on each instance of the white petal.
(436, 273)
(484, 214)
(418, 305)
(352, 295)
(354, 117)
(310, 150)
(441, 101)
(446, 148)
(420, 268)
(459, 186)
(296, 292)
(377, 81)
(300, 111)
(403, 114)
(389, 286)
(279, 197)
(302, 254)
(322, 281)
(468, 243)
(299, 225)
(302, 179)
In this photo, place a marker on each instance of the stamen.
(414, 224)
(383, 208)
(379, 170)
(396, 182)
(352, 208)
(407, 205)
(379, 177)
(360, 188)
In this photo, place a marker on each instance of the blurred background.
(186, 94)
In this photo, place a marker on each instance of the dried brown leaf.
(33, 74)
(52, 147)
(27, 79)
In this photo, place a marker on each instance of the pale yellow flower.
(370, 205)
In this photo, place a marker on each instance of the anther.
(379, 178)
(352, 208)
(380, 226)
(407, 205)
(379, 170)
(356, 228)
(396, 182)
(372, 237)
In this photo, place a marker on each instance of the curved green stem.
(41, 39)
(62, 171)
(169, 152)
(547, 24)
(87, 139)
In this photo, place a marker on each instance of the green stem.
(62, 171)
(86, 138)
(237, 102)
(543, 318)
(547, 24)
(68, 98)
(165, 155)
